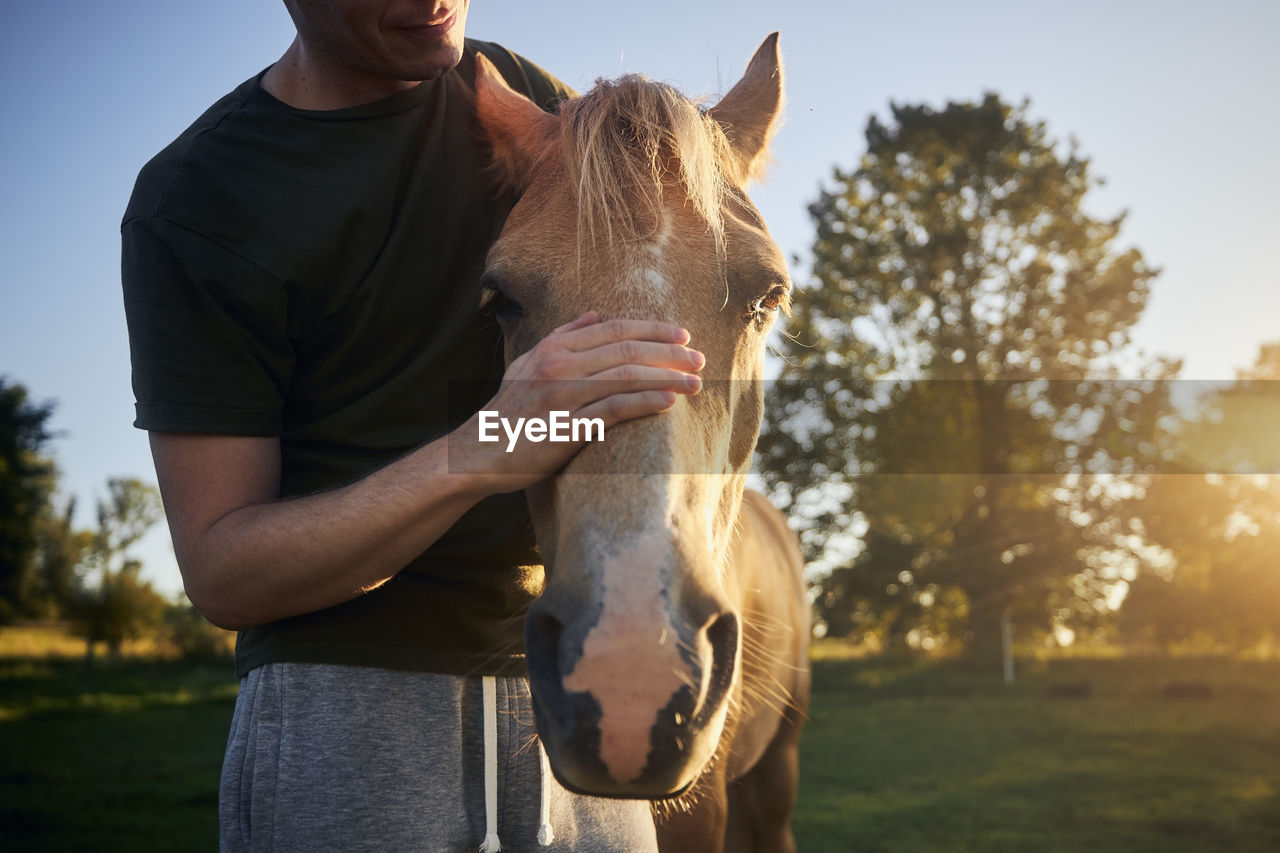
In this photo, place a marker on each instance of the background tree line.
(87, 578)
(962, 432)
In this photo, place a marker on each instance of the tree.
(1218, 522)
(115, 604)
(950, 376)
(1221, 585)
(26, 479)
(195, 638)
(53, 581)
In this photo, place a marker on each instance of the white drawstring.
(491, 844)
(545, 833)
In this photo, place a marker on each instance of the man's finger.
(611, 331)
(583, 321)
(620, 408)
(594, 361)
(576, 394)
(626, 378)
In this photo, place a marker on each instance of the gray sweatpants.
(351, 758)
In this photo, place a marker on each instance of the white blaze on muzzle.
(630, 662)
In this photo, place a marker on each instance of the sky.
(1169, 100)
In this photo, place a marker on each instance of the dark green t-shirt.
(315, 276)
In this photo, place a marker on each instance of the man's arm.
(247, 557)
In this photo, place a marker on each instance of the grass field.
(927, 756)
(897, 756)
(125, 758)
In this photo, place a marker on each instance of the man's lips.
(438, 26)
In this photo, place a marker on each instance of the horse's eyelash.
(493, 299)
(779, 296)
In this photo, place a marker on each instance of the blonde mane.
(628, 139)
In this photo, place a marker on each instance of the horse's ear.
(517, 129)
(749, 113)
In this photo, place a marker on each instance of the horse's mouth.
(681, 739)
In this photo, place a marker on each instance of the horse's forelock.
(624, 141)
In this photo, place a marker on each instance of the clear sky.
(1174, 101)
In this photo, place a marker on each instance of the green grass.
(897, 756)
(123, 758)
(932, 756)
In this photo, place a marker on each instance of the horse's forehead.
(665, 268)
(544, 232)
(543, 236)
(753, 245)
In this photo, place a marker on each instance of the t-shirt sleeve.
(208, 333)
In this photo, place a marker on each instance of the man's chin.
(426, 59)
(423, 70)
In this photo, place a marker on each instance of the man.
(301, 271)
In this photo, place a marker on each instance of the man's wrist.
(471, 471)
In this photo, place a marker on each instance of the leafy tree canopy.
(27, 477)
(951, 373)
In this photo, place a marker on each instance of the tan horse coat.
(668, 654)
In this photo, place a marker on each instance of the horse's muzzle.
(618, 731)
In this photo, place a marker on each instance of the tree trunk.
(984, 647)
(1006, 644)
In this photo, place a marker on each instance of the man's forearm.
(268, 561)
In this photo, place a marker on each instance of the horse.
(667, 654)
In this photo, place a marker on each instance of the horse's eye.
(494, 300)
(779, 296)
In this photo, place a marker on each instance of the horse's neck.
(768, 574)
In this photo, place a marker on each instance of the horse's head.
(631, 203)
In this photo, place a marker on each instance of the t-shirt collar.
(399, 102)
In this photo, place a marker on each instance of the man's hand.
(616, 370)
(247, 557)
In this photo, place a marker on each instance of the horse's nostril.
(723, 631)
(722, 638)
(542, 641)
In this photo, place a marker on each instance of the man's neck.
(305, 81)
